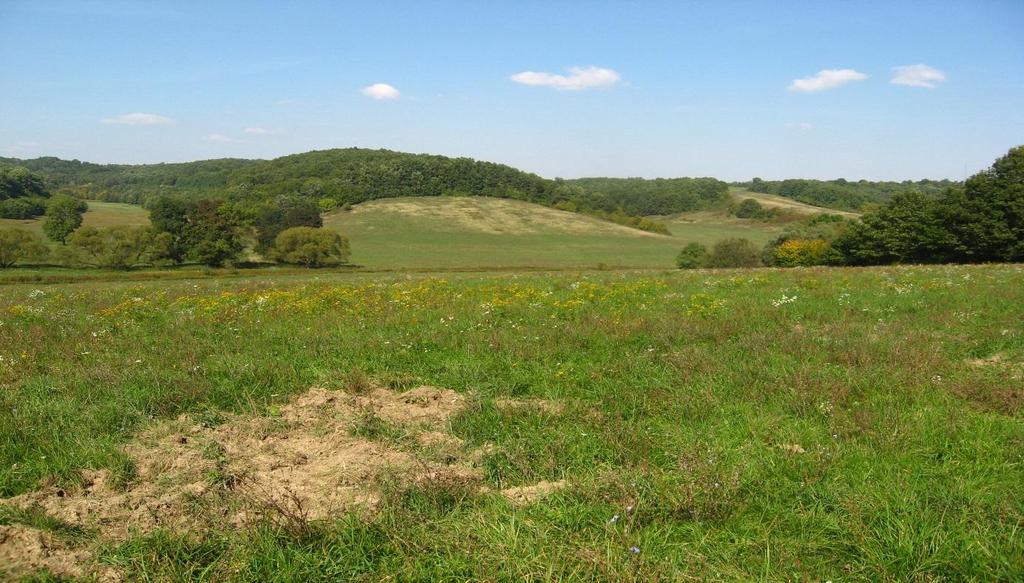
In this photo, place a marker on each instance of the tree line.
(211, 232)
(340, 178)
(842, 194)
(981, 220)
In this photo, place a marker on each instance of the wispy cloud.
(917, 76)
(219, 139)
(579, 78)
(257, 131)
(826, 79)
(138, 119)
(381, 91)
(801, 125)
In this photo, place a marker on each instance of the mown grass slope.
(818, 424)
(774, 201)
(452, 232)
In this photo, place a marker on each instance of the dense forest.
(846, 195)
(646, 197)
(22, 193)
(342, 177)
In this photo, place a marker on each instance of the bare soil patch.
(309, 459)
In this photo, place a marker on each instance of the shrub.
(749, 209)
(310, 247)
(21, 208)
(693, 256)
(119, 247)
(804, 252)
(734, 253)
(17, 245)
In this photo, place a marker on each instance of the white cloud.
(219, 139)
(579, 78)
(802, 126)
(826, 79)
(917, 76)
(256, 131)
(138, 119)
(381, 91)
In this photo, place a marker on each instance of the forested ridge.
(847, 194)
(342, 177)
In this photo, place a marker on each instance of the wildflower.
(614, 519)
(635, 550)
(783, 300)
(36, 293)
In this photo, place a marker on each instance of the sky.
(858, 90)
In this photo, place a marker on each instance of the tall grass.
(822, 424)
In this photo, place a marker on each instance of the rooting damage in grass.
(843, 424)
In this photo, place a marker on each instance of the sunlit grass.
(828, 424)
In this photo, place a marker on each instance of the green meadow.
(805, 424)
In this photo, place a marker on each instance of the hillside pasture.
(99, 214)
(813, 424)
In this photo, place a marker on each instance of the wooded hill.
(349, 176)
(845, 194)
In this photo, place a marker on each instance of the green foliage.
(19, 182)
(310, 247)
(749, 209)
(693, 256)
(284, 212)
(63, 216)
(22, 208)
(643, 197)
(22, 193)
(343, 177)
(120, 247)
(734, 252)
(845, 195)
(18, 246)
(825, 228)
(203, 231)
(981, 221)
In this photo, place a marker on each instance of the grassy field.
(785, 204)
(100, 214)
(487, 232)
(805, 424)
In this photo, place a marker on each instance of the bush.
(693, 256)
(18, 245)
(310, 247)
(801, 252)
(21, 208)
(734, 253)
(749, 209)
(119, 247)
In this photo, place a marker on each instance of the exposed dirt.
(26, 550)
(322, 454)
(528, 494)
(551, 407)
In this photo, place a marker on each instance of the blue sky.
(726, 89)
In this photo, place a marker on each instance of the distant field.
(441, 232)
(788, 204)
(711, 425)
(481, 232)
(100, 214)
